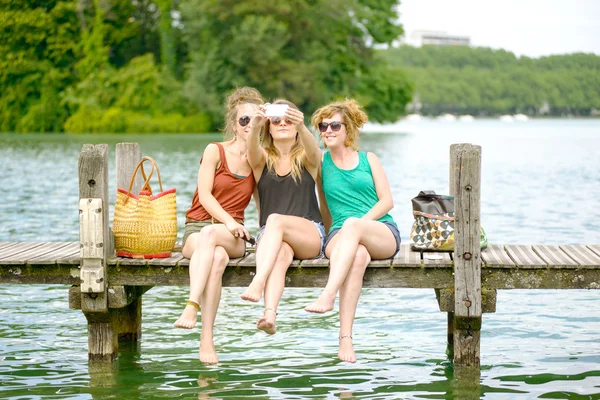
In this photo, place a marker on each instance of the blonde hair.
(353, 116)
(239, 96)
(297, 153)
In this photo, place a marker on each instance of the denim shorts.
(393, 227)
(320, 228)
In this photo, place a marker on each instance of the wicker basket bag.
(145, 225)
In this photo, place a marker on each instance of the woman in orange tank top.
(214, 223)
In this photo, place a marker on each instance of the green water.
(539, 344)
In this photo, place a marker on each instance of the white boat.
(413, 117)
(447, 118)
(506, 118)
(466, 118)
(521, 117)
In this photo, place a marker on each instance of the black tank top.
(281, 195)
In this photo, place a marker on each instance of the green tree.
(309, 52)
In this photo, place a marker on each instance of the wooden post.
(96, 247)
(130, 314)
(465, 185)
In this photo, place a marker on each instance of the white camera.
(275, 110)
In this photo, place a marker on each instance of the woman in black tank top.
(285, 158)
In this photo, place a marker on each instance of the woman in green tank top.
(355, 201)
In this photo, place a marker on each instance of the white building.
(437, 38)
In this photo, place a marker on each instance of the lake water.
(540, 185)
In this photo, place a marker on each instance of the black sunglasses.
(243, 121)
(335, 126)
(277, 120)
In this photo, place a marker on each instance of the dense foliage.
(166, 65)
(482, 81)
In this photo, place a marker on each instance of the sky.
(532, 28)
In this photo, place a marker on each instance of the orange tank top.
(232, 193)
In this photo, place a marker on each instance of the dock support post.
(465, 185)
(96, 246)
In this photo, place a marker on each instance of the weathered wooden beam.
(465, 185)
(118, 296)
(445, 299)
(96, 249)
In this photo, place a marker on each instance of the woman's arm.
(256, 154)
(206, 178)
(305, 136)
(382, 187)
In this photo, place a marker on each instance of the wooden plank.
(595, 248)
(71, 259)
(52, 256)
(40, 250)
(407, 258)
(437, 259)
(524, 256)
(6, 245)
(137, 262)
(296, 277)
(554, 256)
(169, 261)
(315, 262)
(380, 263)
(582, 254)
(494, 256)
(248, 261)
(540, 278)
(20, 248)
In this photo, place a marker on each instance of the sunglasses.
(243, 121)
(278, 120)
(335, 126)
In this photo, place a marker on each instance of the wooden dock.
(503, 267)
(109, 289)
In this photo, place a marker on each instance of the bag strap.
(426, 193)
(146, 185)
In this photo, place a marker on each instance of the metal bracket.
(91, 239)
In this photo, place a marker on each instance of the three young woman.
(215, 222)
(284, 159)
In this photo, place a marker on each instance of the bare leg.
(274, 289)
(302, 236)
(200, 248)
(375, 236)
(210, 303)
(349, 294)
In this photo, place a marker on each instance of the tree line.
(167, 65)
(482, 81)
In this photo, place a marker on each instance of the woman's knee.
(350, 227)
(362, 258)
(275, 221)
(220, 261)
(286, 253)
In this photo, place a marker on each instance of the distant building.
(436, 38)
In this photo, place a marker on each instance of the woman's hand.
(238, 230)
(296, 116)
(258, 119)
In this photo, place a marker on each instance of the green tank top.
(349, 193)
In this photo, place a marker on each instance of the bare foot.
(187, 319)
(254, 292)
(266, 323)
(346, 352)
(323, 304)
(207, 352)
